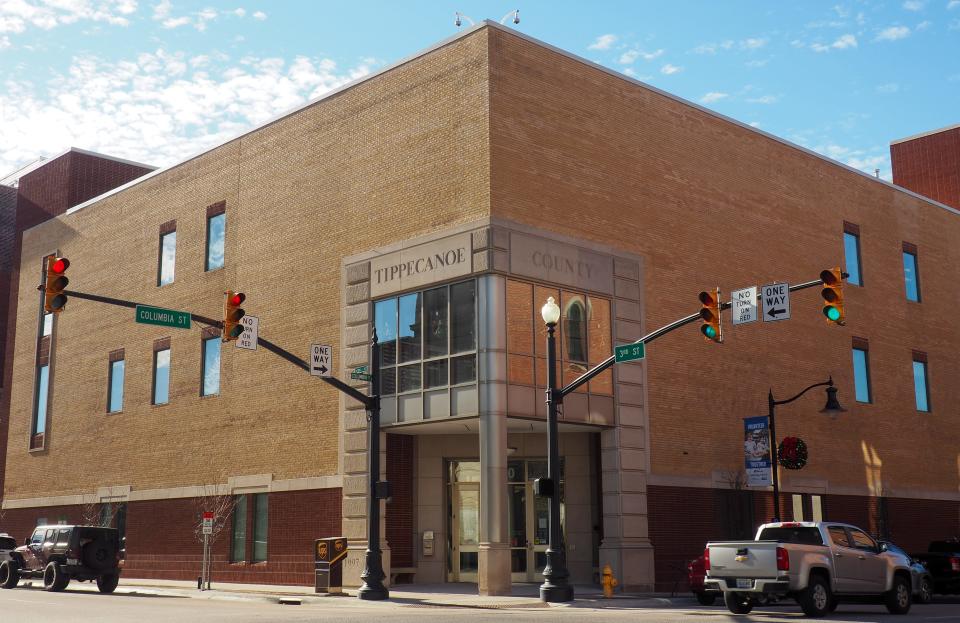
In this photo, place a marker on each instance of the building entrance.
(528, 520)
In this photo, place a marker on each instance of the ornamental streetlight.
(556, 586)
(831, 408)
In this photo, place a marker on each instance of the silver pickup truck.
(818, 564)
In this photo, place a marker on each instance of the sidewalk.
(438, 595)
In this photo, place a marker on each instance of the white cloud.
(893, 33)
(670, 69)
(633, 74)
(17, 15)
(259, 15)
(764, 99)
(630, 56)
(603, 42)
(175, 22)
(239, 12)
(4, 42)
(754, 124)
(842, 43)
(923, 25)
(154, 108)
(753, 43)
(913, 5)
(757, 62)
(162, 9)
(713, 48)
(713, 96)
(953, 4)
(862, 159)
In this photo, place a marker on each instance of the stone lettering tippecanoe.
(420, 265)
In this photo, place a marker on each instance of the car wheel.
(9, 574)
(816, 599)
(924, 595)
(99, 555)
(706, 599)
(108, 583)
(54, 579)
(738, 603)
(898, 598)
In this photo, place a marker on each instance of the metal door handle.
(860, 557)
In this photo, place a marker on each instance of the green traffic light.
(710, 331)
(831, 313)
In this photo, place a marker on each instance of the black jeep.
(61, 553)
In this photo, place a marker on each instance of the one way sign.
(776, 302)
(321, 360)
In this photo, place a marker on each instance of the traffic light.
(232, 313)
(54, 299)
(832, 294)
(710, 313)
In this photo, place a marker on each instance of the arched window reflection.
(575, 330)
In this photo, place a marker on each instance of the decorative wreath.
(792, 453)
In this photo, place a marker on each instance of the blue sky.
(158, 80)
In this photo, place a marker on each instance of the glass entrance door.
(464, 521)
(529, 521)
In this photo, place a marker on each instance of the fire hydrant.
(609, 582)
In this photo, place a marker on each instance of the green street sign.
(360, 376)
(360, 369)
(163, 317)
(630, 352)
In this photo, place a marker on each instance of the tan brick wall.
(707, 202)
(400, 155)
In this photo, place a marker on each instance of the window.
(40, 410)
(211, 367)
(115, 399)
(851, 248)
(428, 341)
(575, 329)
(861, 372)
(797, 507)
(216, 226)
(920, 390)
(261, 526)
(47, 325)
(911, 279)
(238, 541)
(37, 537)
(862, 541)
(168, 256)
(839, 536)
(161, 376)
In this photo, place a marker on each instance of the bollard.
(609, 582)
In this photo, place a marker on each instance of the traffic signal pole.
(373, 574)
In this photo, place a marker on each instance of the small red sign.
(208, 515)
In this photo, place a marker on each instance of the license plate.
(744, 583)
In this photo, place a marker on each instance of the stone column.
(624, 461)
(493, 577)
(355, 349)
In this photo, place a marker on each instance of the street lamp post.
(832, 406)
(373, 575)
(556, 586)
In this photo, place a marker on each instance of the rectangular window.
(851, 249)
(861, 374)
(115, 400)
(211, 366)
(43, 390)
(216, 227)
(261, 526)
(797, 507)
(920, 389)
(238, 541)
(911, 279)
(168, 256)
(161, 376)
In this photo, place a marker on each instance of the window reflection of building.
(428, 339)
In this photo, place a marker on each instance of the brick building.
(441, 201)
(929, 163)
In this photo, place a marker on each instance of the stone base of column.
(354, 563)
(493, 574)
(632, 564)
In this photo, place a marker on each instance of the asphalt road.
(82, 606)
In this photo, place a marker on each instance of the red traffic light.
(237, 299)
(232, 314)
(60, 265)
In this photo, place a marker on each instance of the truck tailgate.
(743, 559)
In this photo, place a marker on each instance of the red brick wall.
(399, 516)
(161, 542)
(684, 519)
(930, 165)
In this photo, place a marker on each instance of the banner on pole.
(756, 451)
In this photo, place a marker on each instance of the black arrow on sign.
(773, 313)
(323, 369)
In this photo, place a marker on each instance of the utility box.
(328, 555)
(428, 542)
